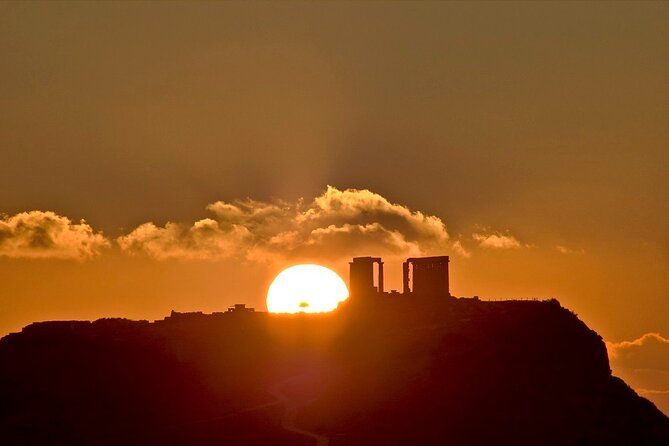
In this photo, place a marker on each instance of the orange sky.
(529, 141)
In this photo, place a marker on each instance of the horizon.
(179, 156)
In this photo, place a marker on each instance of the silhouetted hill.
(445, 371)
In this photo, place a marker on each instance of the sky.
(207, 146)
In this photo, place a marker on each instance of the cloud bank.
(644, 364)
(337, 223)
(39, 234)
(651, 346)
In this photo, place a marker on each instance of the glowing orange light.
(306, 288)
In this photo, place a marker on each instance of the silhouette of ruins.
(421, 277)
(240, 308)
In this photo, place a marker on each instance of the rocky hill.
(393, 372)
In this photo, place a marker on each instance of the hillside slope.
(445, 371)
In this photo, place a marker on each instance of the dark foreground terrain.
(447, 371)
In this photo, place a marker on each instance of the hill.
(441, 371)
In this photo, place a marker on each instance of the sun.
(306, 288)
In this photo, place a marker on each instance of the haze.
(535, 133)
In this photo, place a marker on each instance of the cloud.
(457, 247)
(39, 234)
(496, 240)
(337, 223)
(205, 239)
(650, 343)
(652, 392)
(564, 250)
(644, 364)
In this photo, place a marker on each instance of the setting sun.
(306, 288)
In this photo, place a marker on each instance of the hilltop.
(442, 371)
